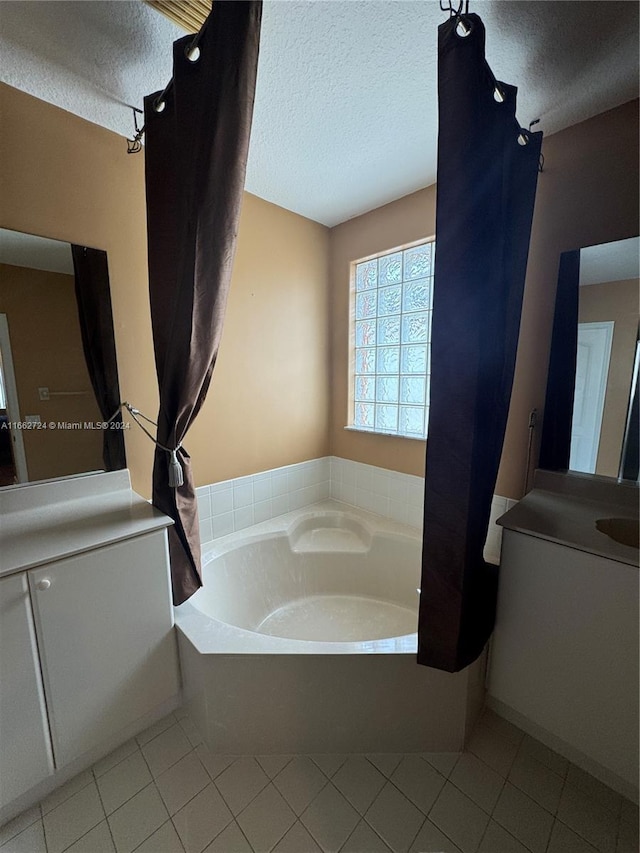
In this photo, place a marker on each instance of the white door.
(592, 369)
(105, 631)
(12, 405)
(25, 749)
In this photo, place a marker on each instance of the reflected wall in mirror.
(589, 424)
(57, 357)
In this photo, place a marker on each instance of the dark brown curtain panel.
(197, 139)
(486, 184)
(555, 444)
(93, 298)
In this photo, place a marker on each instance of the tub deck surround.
(44, 522)
(564, 509)
(335, 582)
(233, 505)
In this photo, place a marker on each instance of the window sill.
(385, 434)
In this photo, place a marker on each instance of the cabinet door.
(105, 631)
(25, 750)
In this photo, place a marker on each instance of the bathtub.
(303, 640)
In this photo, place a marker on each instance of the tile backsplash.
(235, 504)
(389, 493)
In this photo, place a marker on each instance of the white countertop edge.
(45, 533)
(569, 521)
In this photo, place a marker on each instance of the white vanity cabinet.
(564, 654)
(88, 653)
(25, 750)
(104, 629)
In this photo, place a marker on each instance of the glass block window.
(392, 303)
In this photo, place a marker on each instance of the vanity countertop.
(570, 519)
(44, 522)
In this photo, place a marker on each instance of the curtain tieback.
(176, 474)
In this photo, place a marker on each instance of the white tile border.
(232, 505)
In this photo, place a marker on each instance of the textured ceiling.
(346, 110)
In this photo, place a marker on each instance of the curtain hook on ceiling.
(134, 145)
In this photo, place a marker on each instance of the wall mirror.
(58, 371)
(591, 411)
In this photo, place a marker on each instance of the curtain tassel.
(176, 476)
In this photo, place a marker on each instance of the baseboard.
(59, 777)
(608, 777)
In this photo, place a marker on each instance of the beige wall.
(615, 301)
(269, 404)
(46, 348)
(403, 221)
(587, 194)
(65, 178)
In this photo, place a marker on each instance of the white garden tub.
(303, 639)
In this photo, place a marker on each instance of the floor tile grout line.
(175, 722)
(537, 761)
(579, 833)
(269, 782)
(277, 841)
(7, 822)
(66, 799)
(377, 834)
(583, 793)
(448, 779)
(616, 815)
(244, 835)
(184, 805)
(108, 814)
(135, 794)
(282, 769)
(153, 782)
(75, 841)
(173, 764)
(122, 805)
(311, 802)
(144, 841)
(175, 829)
(419, 831)
(118, 763)
(324, 772)
(113, 841)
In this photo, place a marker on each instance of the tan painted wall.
(587, 194)
(46, 347)
(615, 301)
(65, 178)
(403, 221)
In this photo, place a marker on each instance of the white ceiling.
(346, 108)
(617, 261)
(36, 253)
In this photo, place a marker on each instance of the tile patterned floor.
(164, 792)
